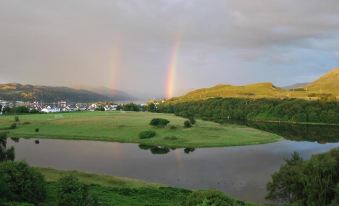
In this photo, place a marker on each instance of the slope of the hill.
(14, 91)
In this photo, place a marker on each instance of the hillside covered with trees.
(51, 94)
(239, 109)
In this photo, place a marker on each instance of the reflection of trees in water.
(162, 150)
(189, 150)
(155, 149)
(15, 139)
(300, 132)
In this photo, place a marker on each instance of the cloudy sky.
(127, 44)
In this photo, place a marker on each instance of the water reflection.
(15, 139)
(240, 171)
(300, 132)
(163, 150)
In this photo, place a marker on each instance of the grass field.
(117, 191)
(120, 191)
(126, 126)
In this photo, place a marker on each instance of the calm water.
(240, 171)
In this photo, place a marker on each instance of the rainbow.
(171, 69)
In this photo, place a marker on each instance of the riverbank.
(126, 126)
(121, 191)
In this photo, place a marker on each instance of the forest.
(233, 109)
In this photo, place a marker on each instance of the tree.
(287, 184)
(152, 107)
(307, 183)
(23, 183)
(6, 154)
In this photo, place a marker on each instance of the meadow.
(126, 126)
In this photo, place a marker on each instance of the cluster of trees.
(18, 110)
(23, 184)
(226, 109)
(307, 183)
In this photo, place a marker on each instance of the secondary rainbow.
(171, 70)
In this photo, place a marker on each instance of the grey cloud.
(74, 42)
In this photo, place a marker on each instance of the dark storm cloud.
(127, 43)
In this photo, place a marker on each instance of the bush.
(171, 138)
(23, 183)
(13, 126)
(147, 134)
(72, 192)
(5, 154)
(209, 198)
(16, 118)
(192, 120)
(159, 122)
(37, 129)
(173, 127)
(187, 124)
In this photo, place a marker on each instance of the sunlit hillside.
(329, 83)
(325, 87)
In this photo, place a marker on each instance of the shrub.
(147, 134)
(37, 130)
(13, 126)
(173, 127)
(192, 120)
(209, 198)
(23, 183)
(5, 154)
(159, 122)
(16, 118)
(72, 192)
(187, 124)
(171, 138)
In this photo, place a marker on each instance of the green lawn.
(126, 126)
(120, 191)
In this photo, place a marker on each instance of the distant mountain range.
(14, 91)
(327, 85)
(296, 86)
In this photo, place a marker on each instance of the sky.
(154, 48)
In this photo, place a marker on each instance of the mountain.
(116, 94)
(327, 85)
(249, 91)
(296, 86)
(14, 91)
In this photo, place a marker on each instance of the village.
(59, 106)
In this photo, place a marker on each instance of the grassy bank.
(126, 126)
(120, 191)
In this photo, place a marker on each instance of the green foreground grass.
(117, 191)
(126, 126)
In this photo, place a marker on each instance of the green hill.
(13, 91)
(329, 83)
(326, 86)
